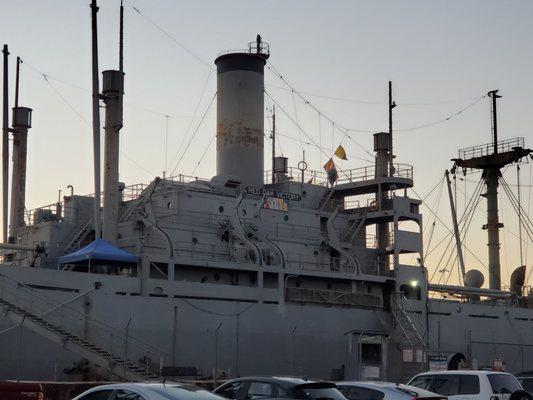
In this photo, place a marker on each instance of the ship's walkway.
(76, 332)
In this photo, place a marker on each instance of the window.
(469, 384)
(127, 395)
(445, 385)
(361, 393)
(311, 393)
(98, 395)
(258, 390)
(503, 383)
(371, 353)
(231, 390)
(421, 382)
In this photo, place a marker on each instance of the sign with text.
(273, 193)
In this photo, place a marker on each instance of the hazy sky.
(440, 55)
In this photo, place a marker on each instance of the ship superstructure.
(250, 272)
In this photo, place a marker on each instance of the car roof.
(283, 380)
(137, 386)
(386, 386)
(461, 372)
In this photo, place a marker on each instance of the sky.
(442, 56)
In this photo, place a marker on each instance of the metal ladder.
(404, 316)
(82, 234)
(356, 223)
(28, 308)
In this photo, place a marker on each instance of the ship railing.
(361, 174)
(263, 49)
(488, 148)
(333, 264)
(117, 341)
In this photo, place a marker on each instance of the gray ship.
(288, 271)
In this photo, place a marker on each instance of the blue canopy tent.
(99, 252)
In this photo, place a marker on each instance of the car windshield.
(185, 392)
(503, 383)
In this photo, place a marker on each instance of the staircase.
(82, 234)
(409, 323)
(64, 325)
(356, 222)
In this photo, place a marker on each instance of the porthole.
(220, 209)
(195, 240)
(285, 218)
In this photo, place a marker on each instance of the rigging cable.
(450, 231)
(519, 213)
(196, 109)
(84, 120)
(168, 35)
(194, 133)
(303, 130)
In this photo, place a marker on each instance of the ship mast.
(490, 159)
(96, 118)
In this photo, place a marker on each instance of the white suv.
(468, 385)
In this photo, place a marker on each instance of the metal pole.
(126, 347)
(273, 141)
(19, 61)
(456, 228)
(494, 95)
(493, 226)
(5, 148)
(216, 352)
(174, 332)
(96, 118)
(292, 351)
(392, 104)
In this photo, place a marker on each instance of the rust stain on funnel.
(237, 135)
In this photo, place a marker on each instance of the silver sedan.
(384, 391)
(147, 391)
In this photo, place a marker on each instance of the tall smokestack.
(240, 113)
(21, 125)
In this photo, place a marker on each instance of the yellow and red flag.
(331, 170)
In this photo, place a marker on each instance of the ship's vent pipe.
(21, 125)
(113, 86)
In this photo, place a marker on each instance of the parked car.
(526, 380)
(273, 387)
(21, 391)
(147, 391)
(384, 391)
(468, 385)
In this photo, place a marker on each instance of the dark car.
(526, 380)
(278, 388)
(21, 391)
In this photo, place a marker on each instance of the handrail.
(63, 315)
(360, 174)
(488, 148)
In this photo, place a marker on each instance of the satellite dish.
(474, 278)
(518, 278)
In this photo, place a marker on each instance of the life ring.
(373, 206)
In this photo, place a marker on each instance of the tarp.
(99, 252)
